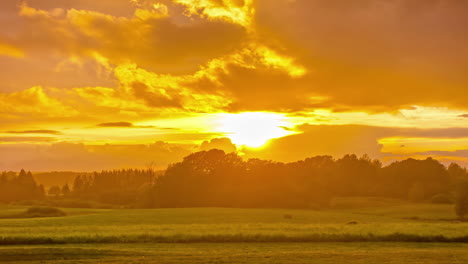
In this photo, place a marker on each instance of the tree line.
(22, 186)
(217, 179)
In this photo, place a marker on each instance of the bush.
(461, 201)
(44, 212)
(442, 198)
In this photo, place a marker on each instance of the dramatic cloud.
(380, 77)
(376, 55)
(33, 102)
(148, 38)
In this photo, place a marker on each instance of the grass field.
(234, 253)
(223, 235)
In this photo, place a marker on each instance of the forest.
(217, 179)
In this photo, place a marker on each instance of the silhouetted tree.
(54, 191)
(456, 172)
(461, 200)
(216, 179)
(429, 176)
(65, 190)
(19, 187)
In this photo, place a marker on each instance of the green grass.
(377, 220)
(386, 232)
(284, 253)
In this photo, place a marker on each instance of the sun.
(254, 129)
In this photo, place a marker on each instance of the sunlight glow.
(254, 129)
(238, 12)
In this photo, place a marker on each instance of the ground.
(354, 230)
(290, 253)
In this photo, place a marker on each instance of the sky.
(89, 85)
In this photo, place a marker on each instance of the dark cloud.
(323, 140)
(224, 144)
(164, 44)
(116, 124)
(257, 89)
(464, 116)
(376, 55)
(26, 139)
(434, 133)
(80, 157)
(123, 125)
(52, 132)
(155, 99)
(339, 140)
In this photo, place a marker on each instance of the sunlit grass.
(397, 222)
(236, 253)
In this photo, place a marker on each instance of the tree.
(461, 201)
(78, 185)
(456, 172)
(54, 191)
(65, 190)
(416, 192)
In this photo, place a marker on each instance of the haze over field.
(90, 85)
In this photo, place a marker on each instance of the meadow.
(369, 229)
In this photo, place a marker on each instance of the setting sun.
(254, 129)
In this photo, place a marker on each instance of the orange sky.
(89, 85)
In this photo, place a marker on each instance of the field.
(236, 253)
(364, 230)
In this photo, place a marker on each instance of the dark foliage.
(216, 179)
(19, 187)
(118, 187)
(461, 201)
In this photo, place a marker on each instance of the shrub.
(44, 212)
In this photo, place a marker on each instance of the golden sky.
(89, 85)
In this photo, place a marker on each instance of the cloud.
(373, 55)
(216, 55)
(115, 124)
(224, 144)
(122, 125)
(26, 139)
(464, 116)
(52, 132)
(377, 142)
(159, 91)
(66, 156)
(9, 50)
(34, 102)
(323, 140)
(235, 11)
(412, 144)
(69, 64)
(162, 42)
